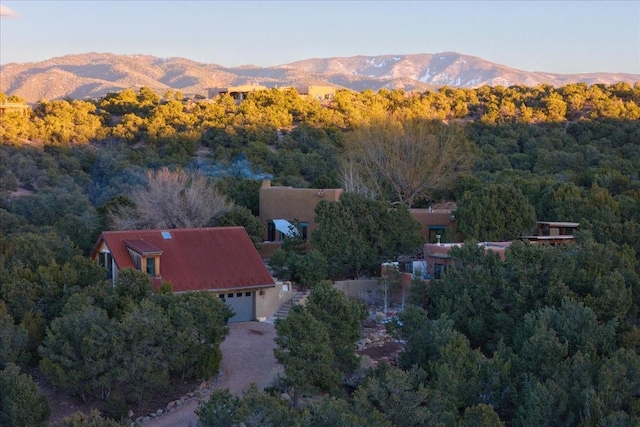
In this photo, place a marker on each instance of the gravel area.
(247, 357)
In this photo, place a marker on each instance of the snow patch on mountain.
(426, 76)
(372, 61)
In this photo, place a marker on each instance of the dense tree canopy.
(548, 336)
(358, 233)
(20, 402)
(127, 341)
(494, 212)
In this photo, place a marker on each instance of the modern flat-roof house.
(14, 107)
(238, 93)
(436, 255)
(553, 233)
(221, 260)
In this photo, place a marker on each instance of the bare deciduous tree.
(409, 159)
(351, 180)
(171, 199)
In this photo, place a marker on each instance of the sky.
(552, 36)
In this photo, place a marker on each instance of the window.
(247, 294)
(438, 270)
(105, 261)
(303, 227)
(271, 231)
(239, 294)
(229, 295)
(151, 266)
(221, 296)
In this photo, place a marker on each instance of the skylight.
(166, 235)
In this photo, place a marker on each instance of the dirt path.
(247, 357)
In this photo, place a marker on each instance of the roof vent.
(166, 235)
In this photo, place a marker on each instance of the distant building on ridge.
(240, 93)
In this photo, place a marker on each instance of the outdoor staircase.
(283, 311)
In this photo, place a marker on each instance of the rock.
(159, 412)
(285, 396)
(130, 413)
(202, 386)
(172, 404)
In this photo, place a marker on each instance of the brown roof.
(195, 258)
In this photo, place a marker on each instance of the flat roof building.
(552, 232)
(238, 93)
(321, 93)
(14, 107)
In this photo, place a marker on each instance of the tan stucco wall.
(293, 203)
(268, 303)
(267, 249)
(318, 92)
(433, 217)
(366, 290)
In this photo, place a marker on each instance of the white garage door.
(242, 304)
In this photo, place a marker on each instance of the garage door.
(242, 304)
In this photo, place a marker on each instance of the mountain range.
(93, 75)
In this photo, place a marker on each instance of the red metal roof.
(142, 247)
(213, 258)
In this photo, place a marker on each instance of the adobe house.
(280, 205)
(221, 260)
(437, 258)
(436, 221)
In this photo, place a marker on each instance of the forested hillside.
(548, 337)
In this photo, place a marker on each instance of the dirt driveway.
(247, 357)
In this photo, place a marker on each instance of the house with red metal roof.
(222, 260)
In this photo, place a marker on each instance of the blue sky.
(554, 36)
